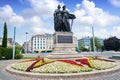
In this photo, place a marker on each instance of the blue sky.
(36, 17)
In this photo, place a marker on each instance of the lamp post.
(89, 43)
(26, 49)
(93, 40)
(14, 43)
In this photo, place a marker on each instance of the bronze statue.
(61, 20)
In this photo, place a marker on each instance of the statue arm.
(72, 16)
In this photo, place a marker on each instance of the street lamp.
(93, 40)
(26, 43)
(89, 43)
(13, 56)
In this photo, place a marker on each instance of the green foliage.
(97, 44)
(1, 52)
(28, 57)
(4, 41)
(18, 49)
(18, 56)
(76, 48)
(0, 56)
(8, 53)
(82, 48)
(112, 43)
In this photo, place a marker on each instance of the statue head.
(58, 7)
(64, 7)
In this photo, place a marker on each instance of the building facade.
(87, 43)
(101, 41)
(40, 42)
(84, 41)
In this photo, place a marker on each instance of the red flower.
(83, 61)
(70, 62)
(37, 62)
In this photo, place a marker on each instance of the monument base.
(63, 56)
(64, 47)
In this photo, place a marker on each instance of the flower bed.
(70, 62)
(22, 66)
(60, 67)
(39, 65)
(101, 65)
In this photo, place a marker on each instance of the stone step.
(74, 53)
(65, 52)
(62, 56)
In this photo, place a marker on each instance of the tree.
(4, 40)
(97, 44)
(112, 43)
(82, 48)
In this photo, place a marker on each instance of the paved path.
(7, 76)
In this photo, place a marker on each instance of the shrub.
(18, 56)
(8, 53)
(0, 56)
(1, 52)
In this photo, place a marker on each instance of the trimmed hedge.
(0, 56)
(18, 56)
(1, 52)
(8, 53)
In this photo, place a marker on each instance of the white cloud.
(12, 19)
(40, 14)
(39, 30)
(116, 31)
(35, 21)
(16, 20)
(115, 3)
(102, 33)
(37, 17)
(87, 15)
(37, 25)
(6, 12)
(41, 8)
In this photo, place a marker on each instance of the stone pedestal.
(64, 47)
(63, 38)
(63, 42)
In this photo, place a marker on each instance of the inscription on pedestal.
(64, 39)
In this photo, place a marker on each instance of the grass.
(28, 57)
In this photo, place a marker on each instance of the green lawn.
(28, 57)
